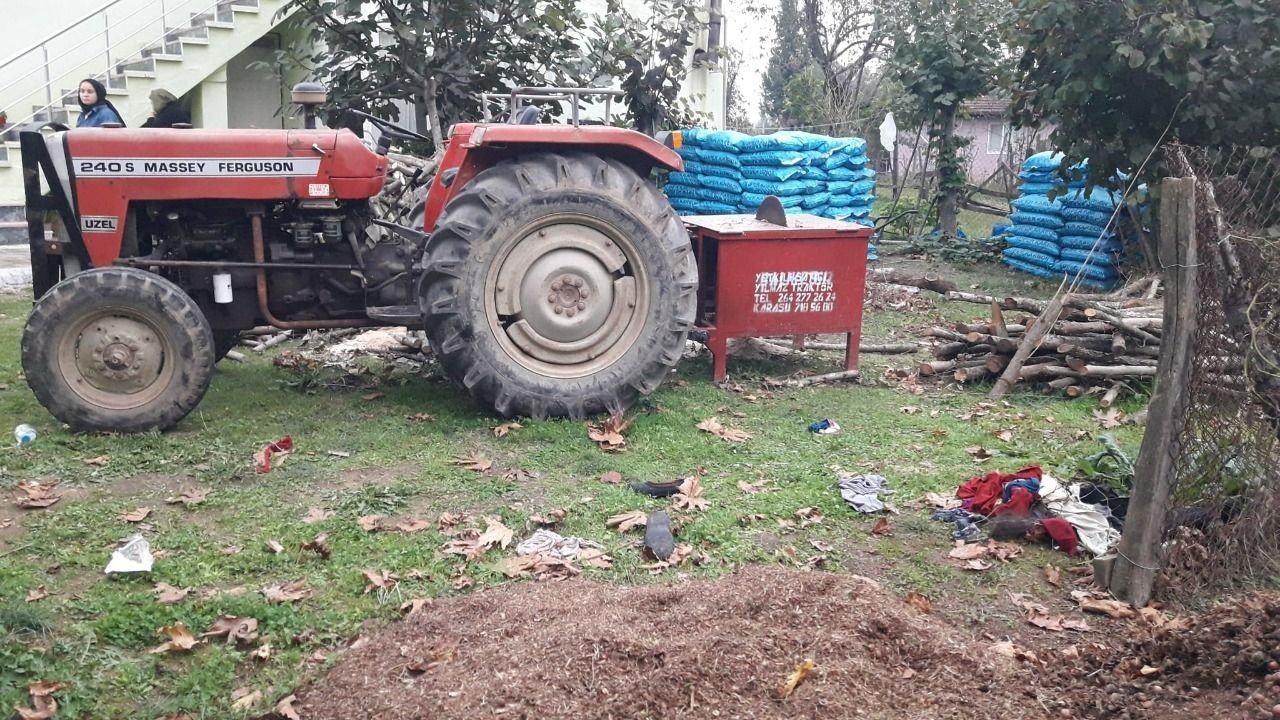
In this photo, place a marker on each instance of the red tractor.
(551, 277)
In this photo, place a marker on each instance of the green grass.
(95, 632)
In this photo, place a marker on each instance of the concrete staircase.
(186, 57)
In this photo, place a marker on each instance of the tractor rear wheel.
(558, 285)
(117, 349)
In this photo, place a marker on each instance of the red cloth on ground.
(982, 493)
(1064, 536)
(1019, 505)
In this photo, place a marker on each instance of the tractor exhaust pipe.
(260, 257)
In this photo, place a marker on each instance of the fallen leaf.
(964, 551)
(506, 429)
(262, 654)
(462, 582)
(689, 496)
(275, 547)
(38, 593)
(611, 477)
(379, 580)
(809, 516)
(474, 462)
(1109, 418)
(1004, 435)
(627, 520)
(679, 555)
(978, 453)
(495, 533)
(821, 546)
(286, 592)
(941, 501)
(6, 523)
(555, 517)
(373, 396)
(98, 461)
(751, 488)
(1003, 551)
(448, 520)
(977, 564)
(416, 606)
(180, 639)
(608, 435)
(595, 558)
(236, 630)
(369, 523)
(519, 475)
(136, 516)
(1053, 575)
(1077, 624)
(190, 497)
(796, 677)
(412, 526)
(908, 674)
(712, 425)
(1109, 607)
(420, 417)
(285, 708)
(920, 602)
(910, 409)
(318, 545)
(167, 594)
(1148, 671)
(245, 698)
(1052, 623)
(882, 527)
(315, 515)
(43, 705)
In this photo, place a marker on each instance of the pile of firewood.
(406, 186)
(1073, 344)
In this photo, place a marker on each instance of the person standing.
(95, 109)
(166, 111)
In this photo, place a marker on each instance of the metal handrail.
(576, 94)
(55, 36)
(50, 102)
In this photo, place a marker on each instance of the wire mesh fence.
(1224, 523)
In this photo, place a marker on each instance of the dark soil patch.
(582, 649)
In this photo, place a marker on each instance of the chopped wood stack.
(406, 186)
(1073, 344)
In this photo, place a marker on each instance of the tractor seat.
(527, 115)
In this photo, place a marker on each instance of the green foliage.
(444, 53)
(953, 249)
(1111, 466)
(948, 52)
(1113, 76)
(649, 52)
(790, 58)
(803, 97)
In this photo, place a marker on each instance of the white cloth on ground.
(555, 545)
(863, 491)
(1096, 534)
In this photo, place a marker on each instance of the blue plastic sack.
(773, 174)
(1083, 215)
(1038, 232)
(751, 201)
(706, 181)
(1044, 247)
(773, 158)
(790, 187)
(806, 140)
(722, 140)
(1053, 222)
(1047, 160)
(851, 187)
(767, 143)
(1030, 268)
(1095, 258)
(1100, 200)
(816, 200)
(1089, 270)
(678, 190)
(1083, 228)
(998, 229)
(1085, 242)
(849, 214)
(1031, 256)
(814, 172)
(702, 207)
(849, 173)
(1039, 188)
(1037, 204)
(844, 158)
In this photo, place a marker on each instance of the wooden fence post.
(1135, 564)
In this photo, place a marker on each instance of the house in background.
(993, 143)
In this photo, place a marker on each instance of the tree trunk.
(948, 197)
(433, 113)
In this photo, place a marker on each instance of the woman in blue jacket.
(95, 109)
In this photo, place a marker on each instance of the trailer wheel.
(558, 285)
(117, 349)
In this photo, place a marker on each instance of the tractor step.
(396, 314)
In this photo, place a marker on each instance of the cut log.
(1060, 383)
(1008, 303)
(1111, 395)
(272, 341)
(928, 281)
(1075, 391)
(1105, 371)
(944, 334)
(1030, 342)
(1001, 344)
(998, 327)
(234, 356)
(971, 374)
(996, 363)
(828, 377)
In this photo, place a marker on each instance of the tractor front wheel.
(558, 285)
(117, 349)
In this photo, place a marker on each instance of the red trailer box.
(757, 278)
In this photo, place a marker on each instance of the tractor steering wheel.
(390, 129)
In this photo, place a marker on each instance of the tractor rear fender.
(474, 147)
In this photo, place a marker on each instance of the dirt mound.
(1228, 656)
(700, 649)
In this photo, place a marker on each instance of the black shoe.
(666, 489)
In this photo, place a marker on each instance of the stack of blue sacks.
(730, 172)
(1070, 234)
